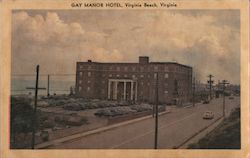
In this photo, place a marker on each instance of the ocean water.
(19, 86)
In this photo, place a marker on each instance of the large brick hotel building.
(134, 81)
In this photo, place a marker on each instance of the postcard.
(120, 78)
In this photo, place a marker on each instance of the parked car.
(208, 115)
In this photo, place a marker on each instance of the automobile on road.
(208, 115)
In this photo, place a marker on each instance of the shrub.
(48, 124)
(57, 119)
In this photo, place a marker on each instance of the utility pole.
(210, 82)
(224, 82)
(34, 114)
(48, 86)
(35, 107)
(194, 92)
(156, 112)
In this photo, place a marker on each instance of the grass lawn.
(225, 136)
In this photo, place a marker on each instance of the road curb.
(99, 130)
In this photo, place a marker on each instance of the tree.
(21, 116)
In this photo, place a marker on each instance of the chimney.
(143, 59)
(89, 61)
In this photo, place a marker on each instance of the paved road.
(174, 128)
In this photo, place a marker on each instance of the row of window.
(125, 75)
(80, 89)
(88, 89)
(103, 82)
(133, 68)
(126, 68)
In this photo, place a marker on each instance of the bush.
(43, 118)
(73, 107)
(76, 120)
(114, 111)
(57, 119)
(21, 117)
(48, 124)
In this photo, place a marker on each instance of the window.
(133, 68)
(117, 75)
(166, 92)
(89, 74)
(80, 81)
(125, 75)
(155, 75)
(80, 88)
(89, 67)
(110, 75)
(166, 75)
(148, 84)
(118, 68)
(89, 81)
(133, 76)
(88, 88)
(141, 68)
(156, 68)
(80, 73)
(126, 68)
(103, 82)
(142, 76)
(166, 68)
(103, 75)
(148, 76)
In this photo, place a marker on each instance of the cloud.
(207, 41)
(44, 29)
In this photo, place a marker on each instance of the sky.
(207, 40)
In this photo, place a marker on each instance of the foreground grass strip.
(225, 136)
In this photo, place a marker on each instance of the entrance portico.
(122, 89)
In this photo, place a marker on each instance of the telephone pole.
(48, 86)
(210, 82)
(35, 107)
(224, 83)
(156, 112)
(34, 114)
(194, 92)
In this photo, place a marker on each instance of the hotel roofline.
(175, 63)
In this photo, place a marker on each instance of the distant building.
(134, 82)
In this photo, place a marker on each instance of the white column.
(124, 91)
(136, 91)
(109, 84)
(115, 90)
(132, 90)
